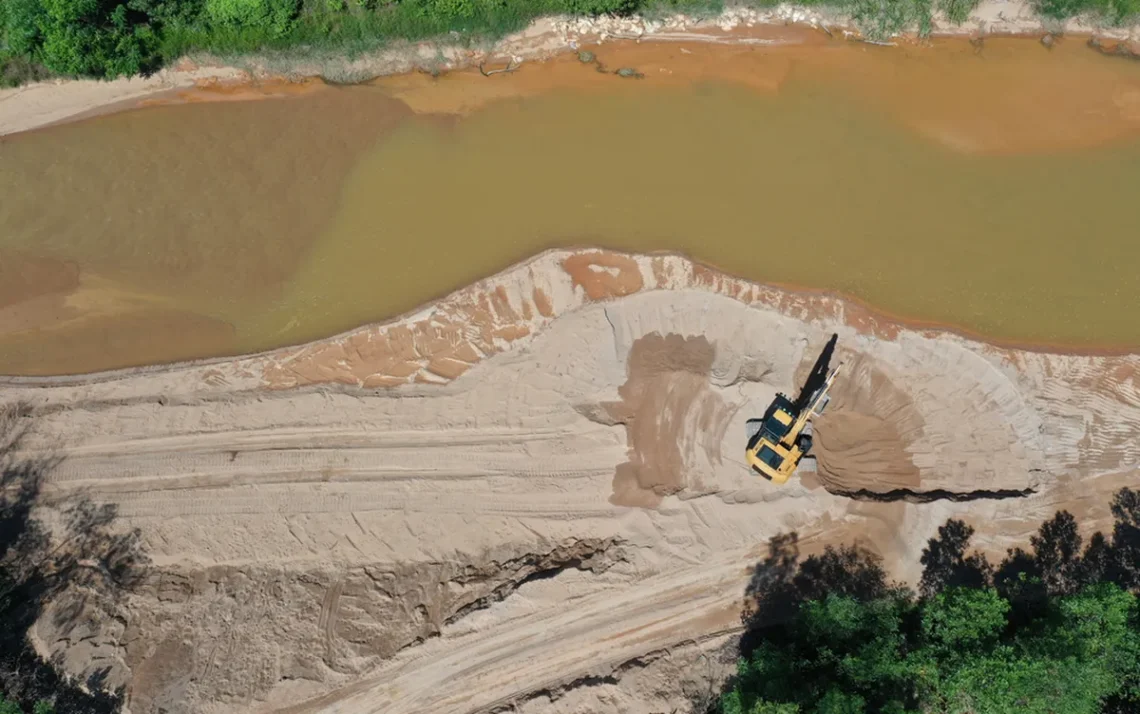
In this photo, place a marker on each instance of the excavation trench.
(938, 494)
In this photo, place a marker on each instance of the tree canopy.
(1052, 629)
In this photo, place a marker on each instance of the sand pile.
(533, 492)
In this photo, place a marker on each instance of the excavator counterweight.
(783, 436)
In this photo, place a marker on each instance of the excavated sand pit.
(532, 493)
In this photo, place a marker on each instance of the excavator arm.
(781, 438)
(817, 402)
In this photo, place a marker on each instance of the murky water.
(994, 192)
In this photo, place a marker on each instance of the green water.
(791, 189)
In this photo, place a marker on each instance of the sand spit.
(406, 517)
(46, 103)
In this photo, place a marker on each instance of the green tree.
(836, 702)
(838, 653)
(22, 19)
(732, 705)
(7, 706)
(273, 17)
(963, 621)
(101, 38)
(1083, 652)
(1057, 632)
(945, 562)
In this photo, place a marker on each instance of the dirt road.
(538, 484)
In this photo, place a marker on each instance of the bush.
(1120, 12)
(1061, 9)
(601, 7)
(274, 17)
(8, 706)
(957, 11)
(16, 70)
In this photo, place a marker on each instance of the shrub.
(602, 7)
(275, 17)
(957, 11)
(17, 70)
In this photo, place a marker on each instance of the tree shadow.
(781, 583)
(84, 556)
(946, 564)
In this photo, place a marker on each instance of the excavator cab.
(779, 440)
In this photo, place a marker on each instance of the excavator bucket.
(822, 404)
(751, 429)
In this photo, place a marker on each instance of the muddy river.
(991, 188)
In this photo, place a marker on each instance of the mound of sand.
(404, 518)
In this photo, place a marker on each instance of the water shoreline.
(472, 90)
(50, 103)
(805, 300)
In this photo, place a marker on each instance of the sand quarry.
(531, 495)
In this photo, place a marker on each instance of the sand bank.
(353, 525)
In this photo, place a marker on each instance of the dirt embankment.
(404, 518)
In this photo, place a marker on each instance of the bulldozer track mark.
(313, 440)
(266, 477)
(326, 622)
(561, 508)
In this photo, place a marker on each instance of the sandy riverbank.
(353, 524)
(46, 103)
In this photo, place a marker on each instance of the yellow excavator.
(782, 437)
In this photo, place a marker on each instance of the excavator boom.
(817, 402)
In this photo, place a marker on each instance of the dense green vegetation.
(7, 706)
(108, 38)
(1051, 630)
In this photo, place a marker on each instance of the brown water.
(994, 192)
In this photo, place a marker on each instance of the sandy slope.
(539, 479)
(41, 104)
